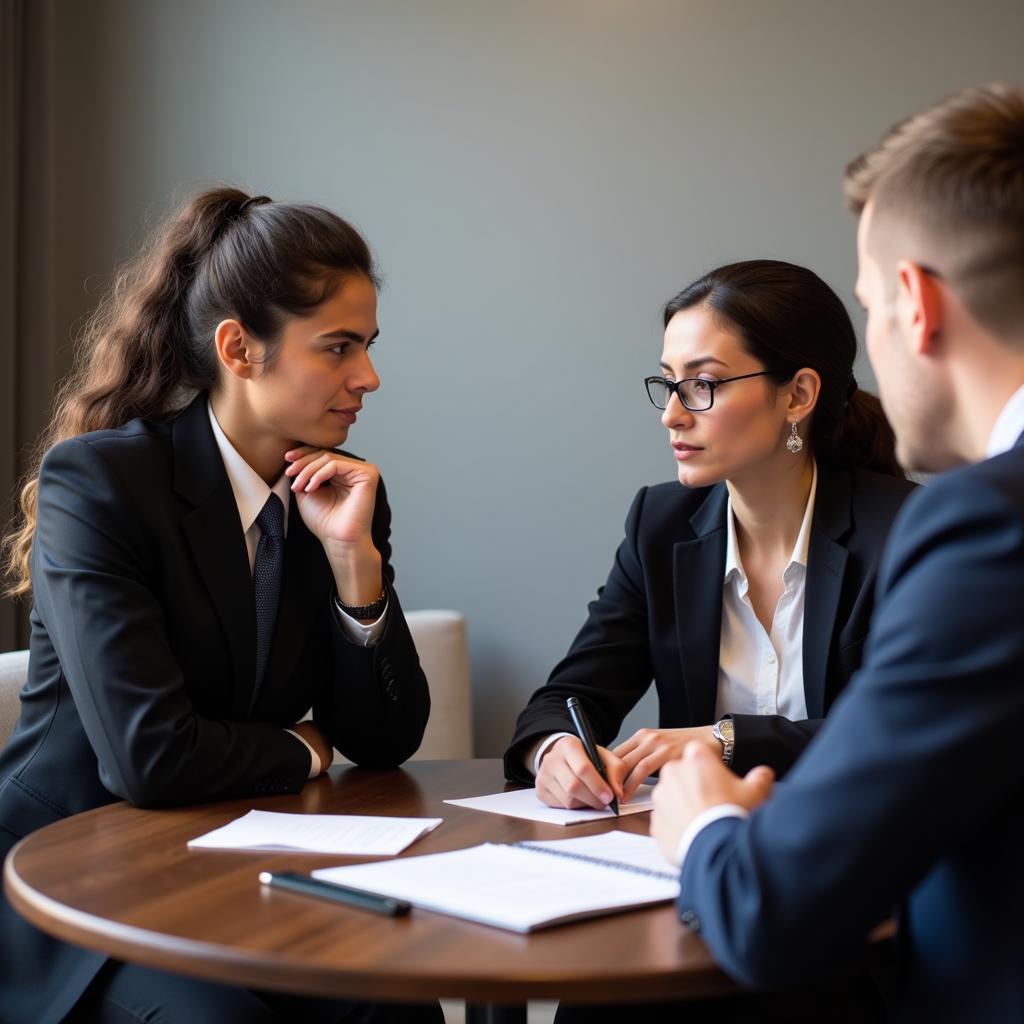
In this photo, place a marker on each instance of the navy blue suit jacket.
(660, 616)
(911, 797)
(143, 659)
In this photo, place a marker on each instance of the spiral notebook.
(527, 885)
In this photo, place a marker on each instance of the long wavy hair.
(148, 348)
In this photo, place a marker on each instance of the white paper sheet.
(350, 834)
(523, 803)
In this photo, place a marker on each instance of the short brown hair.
(950, 181)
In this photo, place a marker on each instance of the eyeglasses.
(696, 393)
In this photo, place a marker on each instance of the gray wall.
(536, 177)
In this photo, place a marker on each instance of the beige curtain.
(28, 339)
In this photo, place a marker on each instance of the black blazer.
(914, 790)
(660, 616)
(140, 682)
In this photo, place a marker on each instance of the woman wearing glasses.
(746, 593)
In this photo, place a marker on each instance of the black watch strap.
(373, 610)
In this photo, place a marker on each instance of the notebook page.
(505, 886)
(617, 847)
(351, 834)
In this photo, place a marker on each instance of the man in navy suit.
(910, 800)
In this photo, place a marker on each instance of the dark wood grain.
(122, 881)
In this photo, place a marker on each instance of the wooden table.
(122, 881)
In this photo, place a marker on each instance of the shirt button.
(770, 657)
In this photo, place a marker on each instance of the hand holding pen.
(582, 727)
(567, 776)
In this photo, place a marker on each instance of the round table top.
(122, 881)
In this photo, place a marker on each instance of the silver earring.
(795, 443)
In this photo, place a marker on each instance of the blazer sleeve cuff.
(701, 822)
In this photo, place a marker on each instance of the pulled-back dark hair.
(788, 318)
(149, 345)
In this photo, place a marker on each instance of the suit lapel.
(698, 567)
(826, 565)
(214, 533)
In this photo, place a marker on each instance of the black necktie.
(267, 570)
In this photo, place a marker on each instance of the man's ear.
(804, 389)
(239, 353)
(920, 306)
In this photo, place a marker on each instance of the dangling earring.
(795, 443)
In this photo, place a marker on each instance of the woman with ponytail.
(205, 566)
(746, 593)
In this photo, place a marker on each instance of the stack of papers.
(352, 835)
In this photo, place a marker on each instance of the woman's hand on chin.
(335, 495)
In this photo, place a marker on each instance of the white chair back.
(13, 672)
(440, 638)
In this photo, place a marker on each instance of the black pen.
(321, 890)
(582, 726)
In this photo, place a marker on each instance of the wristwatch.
(722, 730)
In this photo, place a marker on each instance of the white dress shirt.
(759, 673)
(762, 673)
(1008, 427)
(251, 493)
(249, 488)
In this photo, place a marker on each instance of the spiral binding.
(649, 872)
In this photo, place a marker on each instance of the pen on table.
(321, 890)
(582, 726)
